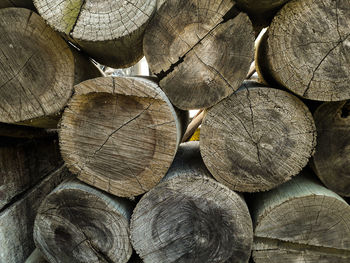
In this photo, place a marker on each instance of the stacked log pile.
(97, 168)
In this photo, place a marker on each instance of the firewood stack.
(96, 168)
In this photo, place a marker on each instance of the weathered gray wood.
(36, 257)
(189, 217)
(77, 223)
(37, 70)
(110, 31)
(300, 221)
(257, 138)
(120, 134)
(200, 50)
(307, 49)
(331, 161)
(17, 3)
(24, 164)
(261, 12)
(17, 220)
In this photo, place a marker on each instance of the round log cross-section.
(307, 49)
(331, 161)
(200, 50)
(190, 218)
(36, 67)
(77, 223)
(257, 138)
(109, 31)
(300, 221)
(120, 134)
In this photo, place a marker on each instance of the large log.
(200, 50)
(261, 12)
(300, 221)
(189, 217)
(306, 49)
(24, 164)
(77, 223)
(257, 138)
(331, 161)
(17, 220)
(110, 31)
(37, 70)
(120, 134)
(17, 3)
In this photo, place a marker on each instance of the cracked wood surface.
(78, 223)
(307, 49)
(24, 164)
(200, 50)
(17, 220)
(109, 31)
(37, 70)
(300, 221)
(120, 134)
(257, 138)
(190, 217)
(331, 161)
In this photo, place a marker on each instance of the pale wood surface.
(78, 223)
(189, 217)
(300, 221)
(257, 138)
(17, 220)
(200, 50)
(120, 134)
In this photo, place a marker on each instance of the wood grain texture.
(189, 217)
(307, 49)
(17, 3)
(300, 221)
(24, 164)
(17, 220)
(120, 134)
(37, 70)
(257, 138)
(78, 223)
(200, 50)
(331, 161)
(109, 31)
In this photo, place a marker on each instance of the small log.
(36, 257)
(120, 134)
(257, 138)
(111, 32)
(189, 217)
(306, 54)
(261, 12)
(77, 223)
(17, 3)
(17, 220)
(186, 46)
(331, 161)
(37, 70)
(300, 221)
(24, 164)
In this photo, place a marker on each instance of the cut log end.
(257, 139)
(119, 134)
(191, 219)
(189, 52)
(77, 223)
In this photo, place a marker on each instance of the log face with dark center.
(119, 134)
(77, 223)
(310, 55)
(300, 221)
(36, 67)
(201, 51)
(331, 161)
(190, 217)
(257, 139)
(110, 31)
